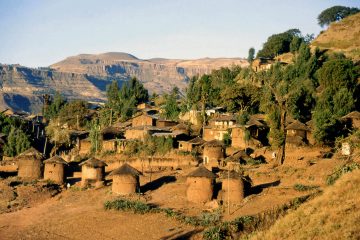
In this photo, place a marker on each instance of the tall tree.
(278, 43)
(251, 55)
(17, 142)
(334, 14)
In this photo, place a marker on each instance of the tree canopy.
(121, 103)
(334, 14)
(280, 43)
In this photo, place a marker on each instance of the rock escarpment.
(85, 76)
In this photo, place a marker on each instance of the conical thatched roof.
(255, 122)
(238, 156)
(56, 159)
(232, 175)
(202, 172)
(352, 115)
(125, 169)
(30, 154)
(296, 125)
(111, 130)
(214, 143)
(93, 162)
(180, 126)
(197, 141)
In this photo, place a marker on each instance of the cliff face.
(21, 88)
(85, 77)
(158, 75)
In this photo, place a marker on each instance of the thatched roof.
(93, 162)
(56, 159)
(214, 143)
(202, 172)
(111, 130)
(232, 175)
(296, 125)
(125, 169)
(239, 156)
(352, 115)
(223, 118)
(255, 122)
(30, 154)
(197, 141)
(310, 124)
(180, 126)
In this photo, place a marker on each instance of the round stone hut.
(125, 180)
(233, 189)
(92, 171)
(200, 185)
(55, 169)
(213, 153)
(30, 164)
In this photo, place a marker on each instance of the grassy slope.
(343, 36)
(333, 215)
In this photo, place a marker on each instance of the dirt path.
(80, 215)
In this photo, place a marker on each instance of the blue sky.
(38, 33)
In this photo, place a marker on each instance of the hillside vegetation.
(333, 215)
(342, 36)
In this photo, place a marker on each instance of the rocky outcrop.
(85, 77)
(21, 88)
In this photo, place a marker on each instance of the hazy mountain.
(85, 76)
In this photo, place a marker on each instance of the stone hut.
(181, 127)
(143, 120)
(84, 146)
(222, 121)
(352, 120)
(200, 185)
(297, 133)
(125, 180)
(160, 123)
(55, 169)
(261, 64)
(190, 145)
(297, 128)
(30, 164)
(109, 145)
(233, 189)
(92, 171)
(143, 106)
(213, 153)
(214, 133)
(111, 132)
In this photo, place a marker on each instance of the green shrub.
(214, 233)
(349, 167)
(303, 188)
(126, 205)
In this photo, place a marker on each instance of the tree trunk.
(281, 151)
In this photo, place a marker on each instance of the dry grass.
(333, 215)
(343, 36)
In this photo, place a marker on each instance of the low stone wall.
(144, 164)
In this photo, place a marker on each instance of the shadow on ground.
(153, 185)
(259, 188)
(181, 235)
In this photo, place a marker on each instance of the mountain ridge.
(85, 76)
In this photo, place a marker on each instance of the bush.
(346, 168)
(303, 188)
(214, 233)
(126, 205)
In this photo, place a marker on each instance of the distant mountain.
(342, 36)
(85, 76)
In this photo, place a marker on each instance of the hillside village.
(240, 143)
